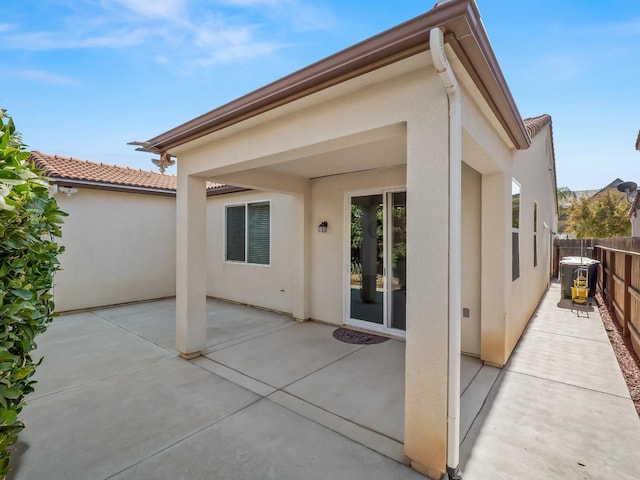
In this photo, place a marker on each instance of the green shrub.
(29, 221)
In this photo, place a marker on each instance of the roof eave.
(117, 187)
(463, 27)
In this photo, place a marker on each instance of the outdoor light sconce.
(322, 228)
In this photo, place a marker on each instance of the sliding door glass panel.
(398, 249)
(367, 263)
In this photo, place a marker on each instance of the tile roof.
(60, 169)
(534, 125)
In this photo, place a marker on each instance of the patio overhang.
(464, 33)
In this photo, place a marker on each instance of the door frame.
(346, 289)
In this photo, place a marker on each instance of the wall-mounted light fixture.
(68, 191)
(322, 228)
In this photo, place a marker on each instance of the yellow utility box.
(580, 289)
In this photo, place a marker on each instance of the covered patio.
(270, 398)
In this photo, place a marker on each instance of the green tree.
(602, 216)
(565, 197)
(29, 221)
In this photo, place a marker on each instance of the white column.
(426, 359)
(191, 279)
(495, 267)
(301, 258)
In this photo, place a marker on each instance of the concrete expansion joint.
(181, 440)
(597, 340)
(571, 385)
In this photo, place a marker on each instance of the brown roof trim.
(459, 19)
(111, 187)
(225, 189)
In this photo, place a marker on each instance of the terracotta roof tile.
(534, 125)
(66, 168)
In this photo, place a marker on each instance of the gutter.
(460, 19)
(441, 64)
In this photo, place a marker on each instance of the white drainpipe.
(441, 64)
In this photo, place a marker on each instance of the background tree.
(603, 216)
(29, 221)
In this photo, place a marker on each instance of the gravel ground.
(627, 358)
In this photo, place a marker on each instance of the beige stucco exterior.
(385, 128)
(383, 131)
(120, 247)
(260, 285)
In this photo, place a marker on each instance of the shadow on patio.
(271, 398)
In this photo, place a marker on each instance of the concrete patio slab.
(287, 400)
(361, 434)
(279, 359)
(234, 376)
(97, 430)
(246, 446)
(474, 396)
(227, 323)
(552, 318)
(559, 408)
(82, 348)
(537, 429)
(154, 323)
(366, 387)
(576, 361)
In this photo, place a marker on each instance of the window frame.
(516, 192)
(246, 205)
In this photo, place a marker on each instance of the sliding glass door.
(376, 294)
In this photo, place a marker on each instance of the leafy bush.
(29, 221)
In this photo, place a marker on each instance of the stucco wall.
(268, 286)
(120, 247)
(471, 238)
(328, 264)
(532, 169)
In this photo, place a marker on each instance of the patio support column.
(191, 279)
(495, 267)
(426, 358)
(302, 255)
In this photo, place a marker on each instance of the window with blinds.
(248, 233)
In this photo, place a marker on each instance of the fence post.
(627, 295)
(611, 257)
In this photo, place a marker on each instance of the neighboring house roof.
(67, 171)
(464, 32)
(534, 125)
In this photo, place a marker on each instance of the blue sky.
(83, 77)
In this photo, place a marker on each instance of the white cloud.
(62, 41)
(5, 27)
(156, 8)
(45, 77)
(180, 33)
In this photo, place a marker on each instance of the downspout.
(441, 64)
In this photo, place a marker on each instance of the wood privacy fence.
(571, 248)
(619, 282)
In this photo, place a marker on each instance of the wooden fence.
(571, 248)
(619, 282)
